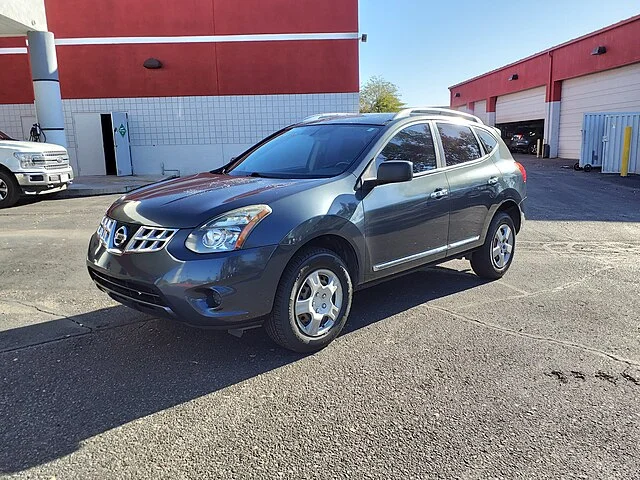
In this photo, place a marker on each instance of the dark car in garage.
(525, 141)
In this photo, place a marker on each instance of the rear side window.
(413, 144)
(488, 141)
(459, 143)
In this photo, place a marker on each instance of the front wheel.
(312, 302)
(9, 190)
(494, 258)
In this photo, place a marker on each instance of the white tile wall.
(10, 116)
(220, 126)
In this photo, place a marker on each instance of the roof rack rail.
(321, 116)
(407, 112)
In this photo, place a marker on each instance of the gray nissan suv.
(285, 233)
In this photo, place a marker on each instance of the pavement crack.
(35, 307)
(89, 332)
(562, 378)
(532, 336)
(523, 294)
(605, 376)
(48, 312)
(630, 377)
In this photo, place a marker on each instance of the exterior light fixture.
(601, 50)
(457, 95)
(513, 77)
(363, 37)
(152, 63)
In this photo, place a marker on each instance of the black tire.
(282, 325)
(587, 167)
(577, 167)
(482, 261)
(12, 194)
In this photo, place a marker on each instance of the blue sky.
(425, 46)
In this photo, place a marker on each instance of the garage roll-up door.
(519, 106)
(480, 110)
(611, 91)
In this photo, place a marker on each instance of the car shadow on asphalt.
(57, 395)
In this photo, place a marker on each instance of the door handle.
(493, 180)
(439, 193)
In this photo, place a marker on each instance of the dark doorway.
(107, 142)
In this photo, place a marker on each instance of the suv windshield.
(311, 151)
(4, 136)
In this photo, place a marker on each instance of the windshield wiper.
(261, 175)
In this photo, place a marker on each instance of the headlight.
(30, 159)
(226, 232)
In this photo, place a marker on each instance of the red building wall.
(206, 68)
(569, 60)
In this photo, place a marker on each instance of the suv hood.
(30, 147)
(191, 201)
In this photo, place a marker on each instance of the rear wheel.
(9, 190)
(494, 258)
(312, 302)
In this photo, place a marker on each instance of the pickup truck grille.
(56, 166)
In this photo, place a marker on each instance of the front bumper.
(225, 291)
(34, 182)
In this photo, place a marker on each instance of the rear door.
(473, 180)
(406, 223)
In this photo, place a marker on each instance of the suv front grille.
(144, 239)
(105, 229)
(148, 239)
(134, 291)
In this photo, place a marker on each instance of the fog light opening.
(213, 298)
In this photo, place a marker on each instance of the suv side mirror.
(394, 171)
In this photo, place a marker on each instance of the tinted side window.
(488, 141)
(459, 143)
(413, 144)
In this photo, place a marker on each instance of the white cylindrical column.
(46, 86)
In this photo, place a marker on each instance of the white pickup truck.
(31, 168)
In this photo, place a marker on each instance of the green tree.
(378, 95)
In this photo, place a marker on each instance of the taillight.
(522, 171)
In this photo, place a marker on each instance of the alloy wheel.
(318, 303)
(502, 246)
(4, 189)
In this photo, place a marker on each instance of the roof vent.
(601, 50)
(513, 77)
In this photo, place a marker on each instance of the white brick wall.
(191, 133)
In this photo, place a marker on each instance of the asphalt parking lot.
(438, 374)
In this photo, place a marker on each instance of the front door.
(406, 224)
(120, 126)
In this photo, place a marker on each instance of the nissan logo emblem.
(120, 237)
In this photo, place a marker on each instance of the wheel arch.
(341, 247)
(511, 208)
(6, 170)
